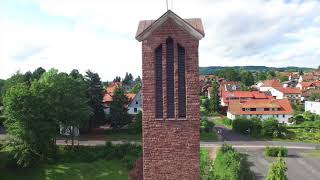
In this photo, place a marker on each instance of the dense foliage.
(246, 126)
(206, 165)
(136, 126)
(34, 113)
(231, 165)
(206, 125)
(214, 97)
(95, 94)
(276, 151)
(118, 110)
(278, 170)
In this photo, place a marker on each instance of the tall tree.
(214, 97)
(76, 74)
(117, 79)
(127, 78)
(70, 104)
(2, 82)
(29, 123)
(38, 73)
(118, 110)
(95, 94)
(247, 78)
(278, 170)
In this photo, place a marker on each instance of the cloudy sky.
(99, 34)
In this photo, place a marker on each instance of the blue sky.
(99, 34)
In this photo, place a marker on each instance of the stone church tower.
(171, 138)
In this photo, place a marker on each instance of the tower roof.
(192, 26)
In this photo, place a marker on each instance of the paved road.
(300, 166)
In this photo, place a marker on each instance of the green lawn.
(219, 121)
(212, 136)
(101, 169)
(122, 135)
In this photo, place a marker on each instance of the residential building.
(280, 109)
(135, 104)
(312, 106)
(292, 94)
(308, 85)
(243, 96)
(268, 84)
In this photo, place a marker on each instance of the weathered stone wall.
(170, 146)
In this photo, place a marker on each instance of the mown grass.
(208, 136)
(100, 169)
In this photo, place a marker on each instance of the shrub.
(272, 128)
(226, 121)
(2, 119)
(136, 126)
(278, 170)
(231, 165)
(276, 151)
(129, 160)
(206, 126)
(247, 126)
(206, 165)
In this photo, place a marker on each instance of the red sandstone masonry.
(170, 147)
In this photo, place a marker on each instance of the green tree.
(2, 82)
(272, 128)
(261, 76)
(214, 97)
(206, 165)
(69, 103)
(278, 170)
(284, 78)
(136, 88)
(128, 78)
(136, 126)
(117, 79)
(230, 74)
(247, 78)
(29, 123)
(314, 96)
(207, 106)
(95, 94)
(38, 73)
(118, 110)
(75, 74)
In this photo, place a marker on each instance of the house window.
(283, 116)
(181, 81)
(170, 77)
(135, 110)
(136, 102)
(158, 83)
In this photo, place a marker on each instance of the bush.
(272, 128)
(206, 165)
(136, 126)
(231, 165)
(206, 126)
(276, 151)
(2, 119)
(226, 121)
(129, 160)
(278, 170)
(247, 126)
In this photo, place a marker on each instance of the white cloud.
(101, 35)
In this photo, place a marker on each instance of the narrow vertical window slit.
(158, 83)
(170, 78)
(181, 82)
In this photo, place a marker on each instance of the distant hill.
(213, 69)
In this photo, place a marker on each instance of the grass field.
(212, 136)
(101, 169)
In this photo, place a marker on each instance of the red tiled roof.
(306, 84)
(288, 90)
(236, 107)
(271, 83)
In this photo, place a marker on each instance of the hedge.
(276, 151)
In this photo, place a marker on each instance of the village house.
(107, 99)
(243, 96)
(268, 84)
(308, 85)
(292, 94)
(312, 106)
(280, 109)
(136, 103)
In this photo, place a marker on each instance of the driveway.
(300, 166)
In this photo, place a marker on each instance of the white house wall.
(312, 106)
